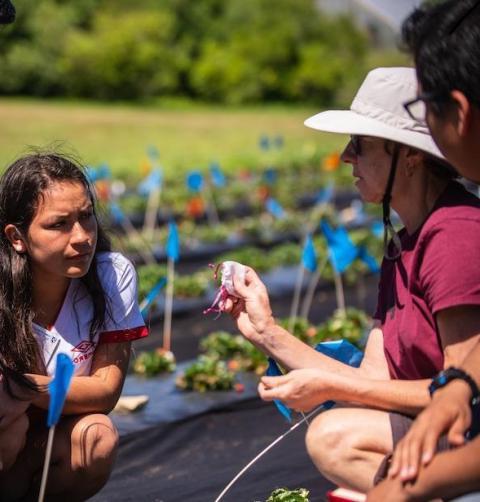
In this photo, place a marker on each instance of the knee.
(329, 441)
(95, 440)
(12, 441)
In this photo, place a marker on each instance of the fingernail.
(404, 472)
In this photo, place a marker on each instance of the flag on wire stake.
(58, 389)
(151, 187)
(217, 176)
(342, 253)
(173, 254)
(274, 208)
(119, 218)
(309, 262)
(151, 296)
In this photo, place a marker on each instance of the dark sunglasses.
(356, 142)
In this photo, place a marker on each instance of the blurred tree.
(216, 50)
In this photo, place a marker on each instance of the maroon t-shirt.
(439, 267)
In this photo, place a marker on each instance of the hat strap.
(387, 224)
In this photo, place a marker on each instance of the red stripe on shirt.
(123, 335)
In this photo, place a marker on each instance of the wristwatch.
(452, 373)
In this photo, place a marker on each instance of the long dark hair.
(21, 188)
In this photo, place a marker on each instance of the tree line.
(225, 51)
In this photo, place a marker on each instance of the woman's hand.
(300, 390)
(449, 413)
(251, 305)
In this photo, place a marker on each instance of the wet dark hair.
(21, 189)
(444, 39)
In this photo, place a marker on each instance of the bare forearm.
(450, 474)
(86, 395)
(404, 396)
(292, 354)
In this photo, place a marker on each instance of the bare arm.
(99, 392)
(450, 474)
(449, 411)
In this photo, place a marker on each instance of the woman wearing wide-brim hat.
(427, 315)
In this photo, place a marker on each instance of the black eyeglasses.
(417, 109)
(356, 142)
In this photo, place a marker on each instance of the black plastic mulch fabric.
(195, 459)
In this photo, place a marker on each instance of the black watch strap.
(452, 373)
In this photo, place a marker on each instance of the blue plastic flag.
(91, 173)
(325, 194)
(151, 183)
(58, 388)
(274, 370)
(309, 255)
(368, 259)
(116, 213)
(342, 250)
(173, 242)
(274, 208)
(218, 178)
(153, 153)
(195, 181)
(278, 141)
(270, 176)
(264, 142)
(104, 172)
(377, 228)
(152, 294)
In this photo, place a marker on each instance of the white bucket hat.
(377, 110)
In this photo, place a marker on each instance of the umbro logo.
(83, 347)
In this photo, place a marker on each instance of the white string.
(269, 447)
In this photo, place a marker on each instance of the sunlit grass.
(186, 136)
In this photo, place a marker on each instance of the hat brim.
(349, 122)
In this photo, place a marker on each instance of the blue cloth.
(341, 350)
(58, 388)
(274, 370)
(309, 255)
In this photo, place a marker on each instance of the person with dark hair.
(7, 12)
(62, 290)
(428, 310)
(444, 39)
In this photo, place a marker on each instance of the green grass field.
(187, 137)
